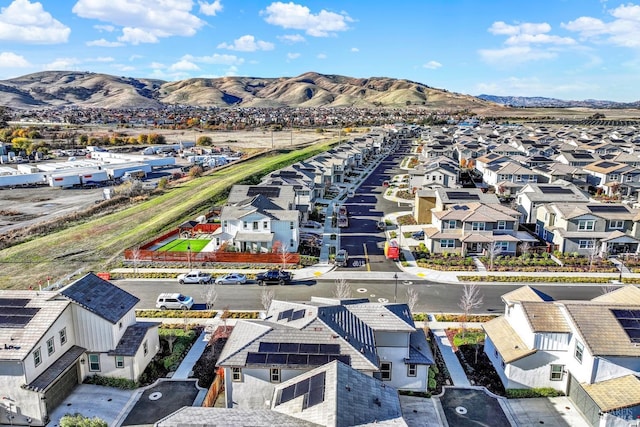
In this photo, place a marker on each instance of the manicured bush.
(121, 383)
(546, 279)
(176, 314)
(420, 317)
(524, 393)
(432, 383)
(79, 420)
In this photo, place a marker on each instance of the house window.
(94, 362)
(557, 372)
(616, 224)
(119, 361)
(120, 325)
(495, 353)
(385, 371)
(449, 225)
(50, 346)
(37, 356)
(502, 363)
(265, 224)
(291, 225)
(579, 351)
(586, 244)
(145, 348)
(275, 375)
(478, 226)
(245, 225)
(502, 225)
(614, 177)
(412, 370)
(236, 374)
(255, 225)
(63, 336)
(586, 225)
(447, 243)
(224, 225)
(502, 246)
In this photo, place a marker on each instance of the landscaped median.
(548, 279)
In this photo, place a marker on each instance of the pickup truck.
(272, 277)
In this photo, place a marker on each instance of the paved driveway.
(465, 407)
(161, 400)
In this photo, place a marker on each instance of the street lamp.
(189, 254)
(395, 293)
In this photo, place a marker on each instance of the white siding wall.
(283, 232)
(551, 341)
(96, 333)
(399, 378)
(535, 371)
(255, 391)
(518, 321)
(614, 367)
(496, 360)
(28, 402)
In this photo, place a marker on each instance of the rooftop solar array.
(555, 190)
(294, 359)
(608, 208)
(290, 314)
(461, 195)
(630, 322)
(582, 156)
(305, 348)
(14, 313)
(265, 191)
(311, 388)
(606, 165)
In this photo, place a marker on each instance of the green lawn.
(182, 245)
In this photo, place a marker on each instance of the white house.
(51, 341)
(586, 349)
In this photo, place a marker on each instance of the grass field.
(182, 245)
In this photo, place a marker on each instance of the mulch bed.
(204, 369)
(481, 371)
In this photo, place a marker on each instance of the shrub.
(525, 393)
(431, 374)
(78, 420)
(121, 383)
(420, 317)
(432, 383)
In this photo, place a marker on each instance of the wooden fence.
(214, 391)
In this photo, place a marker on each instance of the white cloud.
(215, 59)
(293, 55)
(157, 65)
(143, 21)
(515, 55)
(291, 38)
(104, 59)
(134, 57)
(321, 56)
(63, 64)
(26, 22)
(355, 49)
(623, 30)
(432, 65)
(532, 86)
(123, 67)
(298, 17)
(183, 65)
(104, 43)
(247, 43)
(107, 28)
(502, 28)
(210, 9)
(12, 60)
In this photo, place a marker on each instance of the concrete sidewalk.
(186, 366)
(457, 374)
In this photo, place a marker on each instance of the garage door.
(584, 402)
(61, 388)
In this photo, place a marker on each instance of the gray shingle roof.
(54, 371)
(193, 416)
(132, 339)
(100, 297)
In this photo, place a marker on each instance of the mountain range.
(86, 89)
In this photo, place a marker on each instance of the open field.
(97, 244)
(184, 245)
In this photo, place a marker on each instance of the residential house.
(533, 195)
(50, 341)
(588, 228)
(576, 158)
(586, 349)
(378, 340)
(475, 228)
(257, 217)
(610, 176)
(428, 200)
(438, 172)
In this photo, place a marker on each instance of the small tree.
(170, 337)
(210, 295)
(525, 248)
(594, 252)
(266, 296)
(195, 171)
(204, 140)
(493, 250)
(225, 315)
(412, 298)
(281, 248)
(135, 258)
(342, 290)
(470, 299)
(79, 420)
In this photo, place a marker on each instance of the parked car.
(342, 258)
(418, 235)
(174, 301)
(194, 276)
(231, 279)
(272, 277)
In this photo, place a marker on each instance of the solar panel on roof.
(315, 397)
(608, 208)
(344, 359)
(297, 359)
(330, 348)
(302, 387)
(256, 358)
(309, 348)
(289, 347)
(277, 359)
(285, 314)
(606, 164)
(461, 195)
(14, 302)
(265, 191)
(16, 316)
(630, 322)
(555, 190)
(299, 314)
(582, 156)
(287, 393)
(318, 359)
(268, 347)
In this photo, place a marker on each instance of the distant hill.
(540, 102)
(86, 89)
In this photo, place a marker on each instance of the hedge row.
(176, 314)
(525, 393)
(546, 279)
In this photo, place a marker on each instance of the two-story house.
(588, 228)
(50, 341)
(533, 195)
(379, 340)
(586, 349)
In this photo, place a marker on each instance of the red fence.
(206, 228)
(214, 391)
(159, 239)
(229, 257)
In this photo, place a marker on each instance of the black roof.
(100, 297)
(132, 339)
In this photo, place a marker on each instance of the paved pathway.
(458, 376)
(479, 265)
(186, 366)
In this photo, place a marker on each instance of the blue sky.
(568, 49)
